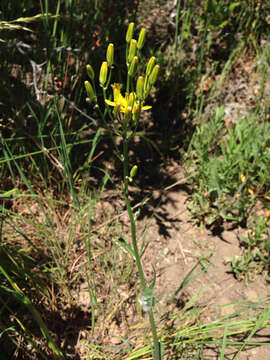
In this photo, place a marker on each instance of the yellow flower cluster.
(133, 102)
(127, 104)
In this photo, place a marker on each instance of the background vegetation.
(63, 278)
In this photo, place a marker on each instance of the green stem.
(156, 353)
(128, 83)
(130, 213)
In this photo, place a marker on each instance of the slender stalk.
(128, 83)
(156, 353)
(130, 213)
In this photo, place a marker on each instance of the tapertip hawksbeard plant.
(123, 108)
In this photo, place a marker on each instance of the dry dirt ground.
(176, 244)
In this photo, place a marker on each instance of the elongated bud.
(139, 87)
(110, 54)
(133, 66)
(103, 73)
(130, 31)
(90, 92)
(141, 39)
(131, 99)
(90, 72)
(154, 74)
(132, 49)
(150, 65)
(136, 112)
(133, 171)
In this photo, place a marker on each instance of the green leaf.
(234, 5)
(126, 247)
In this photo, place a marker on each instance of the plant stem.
(156, 353)
(130, 213)
(128, 83)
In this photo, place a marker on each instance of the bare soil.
(176, 245)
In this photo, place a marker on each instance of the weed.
(256, 247)
(231, 171)
(123, 121)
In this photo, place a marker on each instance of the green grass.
(67, 271)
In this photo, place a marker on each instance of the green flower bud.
(103, 73)
(150, 65)
(141, 39)
(110, 54)
(130, 31)
(132, 49)
(136, 112)
(90, 72)
(133, 66)
(133, 171)
(90, 92)
(131, 99)
(154, 74)
(139, 87)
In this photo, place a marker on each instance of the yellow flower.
(122, 102)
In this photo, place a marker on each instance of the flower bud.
(133, 171)
(154, 74)
(103, 73)
(130, 31)
(141, 39)
(90, 72)
(90, 92)
(136, 112)
(132, 49)
(150, 65)
(131, 99)
(133, 66)
(110, 54)
(139, 87)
